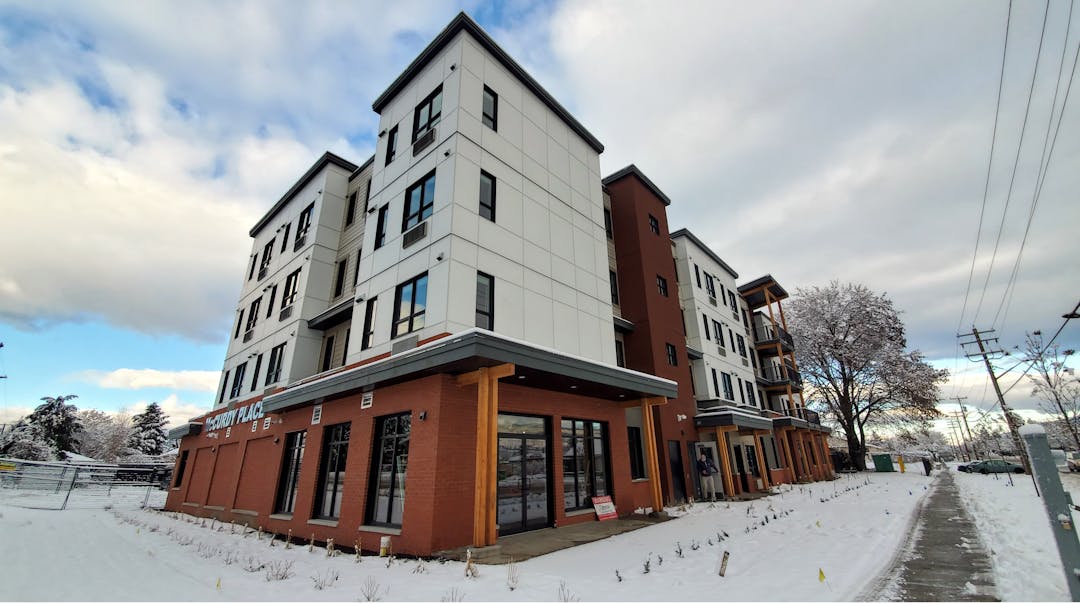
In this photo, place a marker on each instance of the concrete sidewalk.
(943, 560)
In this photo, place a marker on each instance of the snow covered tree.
(58, 422)
(854, 363)
(25, 441)
(1054, 384)
(104, 436)
(148, 434)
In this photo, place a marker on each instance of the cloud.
(138, 379)
(176, 410)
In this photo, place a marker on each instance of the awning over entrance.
(467, 351)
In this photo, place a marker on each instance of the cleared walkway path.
(943, 560)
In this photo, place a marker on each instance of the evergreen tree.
(148, 434)
(25, 441)
(58, 422)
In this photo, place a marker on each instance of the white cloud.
(138, 379)
(177, 411)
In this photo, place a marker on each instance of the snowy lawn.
(849, 528)
(1013, 524)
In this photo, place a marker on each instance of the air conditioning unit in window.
(285, 313)
(721, 350)
(712, 300)
(262, 272)
(745, 362)
(423, 141)
(735, 314)
(414, 235)
(299, 242)
(247, 336)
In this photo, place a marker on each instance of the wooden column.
(805, 467)
(653, 463)
(725, 460)
(487, 444)
(813, 449)
(763, 464)
(784, 432)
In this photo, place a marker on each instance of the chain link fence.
(60, 486)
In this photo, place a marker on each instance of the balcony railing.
(768, 333)
(779, 375)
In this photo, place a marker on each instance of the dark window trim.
(490, 313)
(350, 212)
(328, 354)
(380, 227)
(433, 117)
(289, 475)
(335, 448)
(638, 470)
(490, 205)
(413, 315)
(367, 338)
(672, 355)
(339, 277)
(582, 497)
(385, 519)
(493, 119)
(391, 145)
(255, 374)
(423, 211)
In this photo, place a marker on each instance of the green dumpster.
(883, 462)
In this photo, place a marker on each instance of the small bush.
(278, 570)
(325, 580)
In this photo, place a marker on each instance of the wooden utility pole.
(1009, 421)
(963, 411)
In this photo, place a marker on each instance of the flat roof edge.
(683, 232)
(326, 159)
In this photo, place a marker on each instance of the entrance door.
(741, 468)
(752, 465)
(678, 485)
(712, 453)
(522, 494)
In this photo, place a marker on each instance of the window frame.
(335, 445)
(396, 486)
(380, 226)
(292, 460)
(391, 145)
(729, 388)
(328, 354)
(638, 469)
(613, 278)
(582, 497)
(494, 117)
(433, 117)
(350, 210)
(367, 338)
(654, 224)
(661, 285)
(413, 315)
(490, 205)
(291, 289)
(303, 225)
(490, 313)
(238, 380)
(411, 218)
(274, 365)
(672, 355)
(255, 373)
(339, 277)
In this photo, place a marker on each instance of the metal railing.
(766, 332)
(60, 486)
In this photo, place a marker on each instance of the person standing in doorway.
(707, 471)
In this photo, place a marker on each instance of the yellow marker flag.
(219, 583)
(818, 523)
(820, 575)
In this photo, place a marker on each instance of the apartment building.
(433, 323)
(470, 334)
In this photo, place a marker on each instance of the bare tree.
(853, 358)
(1053, 383)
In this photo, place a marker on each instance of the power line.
(1044, 168)
(1016, 161)
(1046, 346)
(989, 164)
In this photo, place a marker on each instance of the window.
(391, 458)
(303, 225)
(180, 469)
(332, 472)
(715, 384)
(253, 314)
(607, 224)
(350, 210)
(710, 285)
(654, 225)
(270, 303)
(729, 392)
(268, 254)
(368, 336)
(485, 301)
(328, 353)
(410, 302)
(750, 394)
(224, 387)
(339, 278)
(239, 323)
(487, 196)
(419, 201)
(255, 373)
(614, 280)
(285, 237)
(637, 453)
(356, 270)
(288, 295)
(672, 355)
(742, 392)
(620, 353)
(380, 226)
(285, 500)
(345, 347)
(705, 321)
(661, 285)
(491, 109)
(731, 298)
(391, 145)
(585, 462)
(718, 331)
(367, 196)
(238, 380)
(697, 275)
(277, 359)
(742, 345)
(251, 272)
(427, 114)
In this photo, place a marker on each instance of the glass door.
(522, 495)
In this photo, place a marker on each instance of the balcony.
(768, 335)
(776, 376)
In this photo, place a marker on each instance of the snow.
(850, 529)
(1012, 522)
(1032, 430)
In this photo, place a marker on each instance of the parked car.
(994, 465)
(1072, 460)
(967, 467)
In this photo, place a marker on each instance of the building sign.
(316, 414)
(605, 508)
(240, 415)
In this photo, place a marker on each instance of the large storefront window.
(332, 472)
(285, 500)
(391, 458)
(585, 462)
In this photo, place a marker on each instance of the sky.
(815, 141)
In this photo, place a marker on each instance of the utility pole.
(963, 410)
(1009, 421)
(959, 442)
(968, 444)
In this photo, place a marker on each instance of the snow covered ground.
(848, 528)
(1012, 522)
